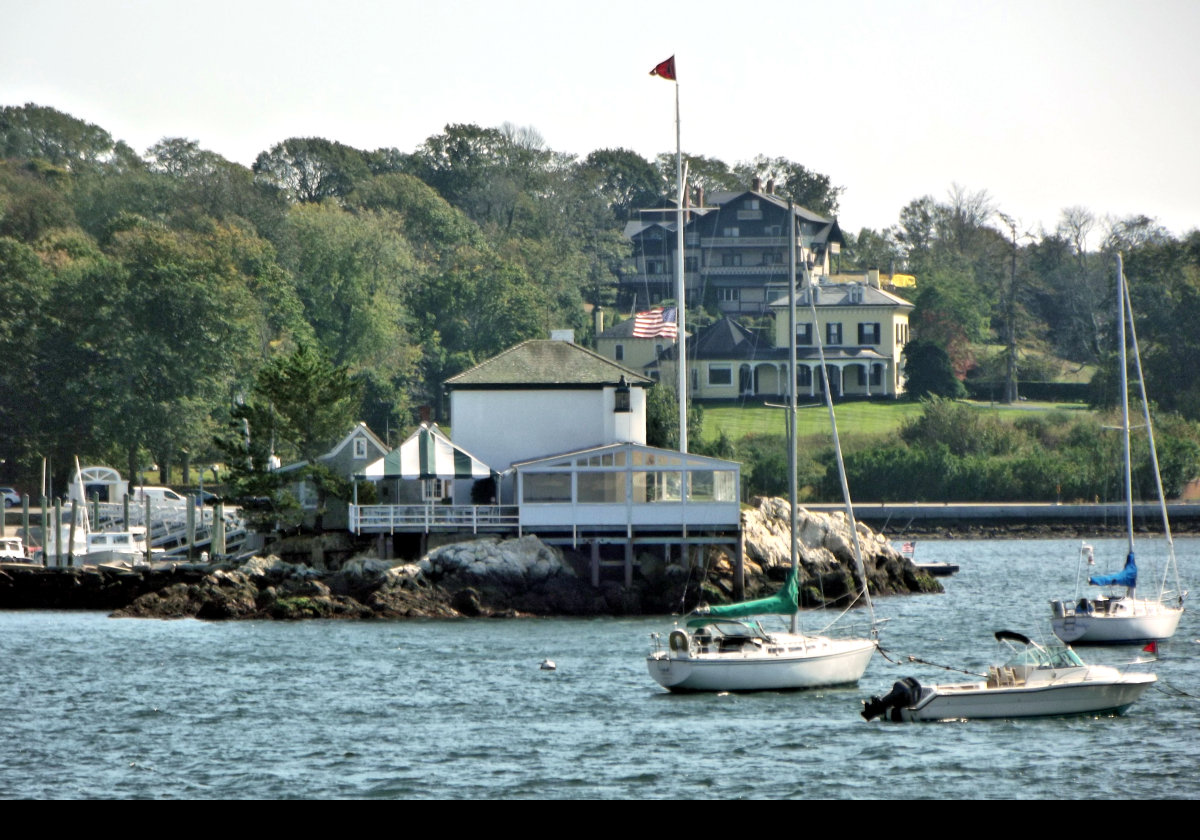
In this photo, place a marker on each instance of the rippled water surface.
(96, 707)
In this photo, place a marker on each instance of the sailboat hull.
(1128, 622)
(807, 662)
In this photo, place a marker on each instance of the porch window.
(720, 375)
(546, 487)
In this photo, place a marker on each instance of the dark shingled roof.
(546, 364)
(723, 339)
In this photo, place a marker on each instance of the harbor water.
(107, 708)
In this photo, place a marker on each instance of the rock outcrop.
(825, 548)
(493, 577)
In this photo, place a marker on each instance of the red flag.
(665, 69)
(1151, 648)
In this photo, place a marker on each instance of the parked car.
(11, 497)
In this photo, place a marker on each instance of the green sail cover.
(783, 602)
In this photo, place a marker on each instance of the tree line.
(142, 296)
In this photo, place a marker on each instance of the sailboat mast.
(680, 292)
(791, 412)
(1158, 485)
(837, 450)
(1124, 385)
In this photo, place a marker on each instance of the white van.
(158, 496)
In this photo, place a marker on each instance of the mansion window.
(691, 263)
(727, 295)
(868, 333)
(833, 334)
(730, 231)
(804, 335)
(656, 267)
(619, 353)
(720, 375)
(750, 211)
(731, 259)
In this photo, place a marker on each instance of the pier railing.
(381, 519)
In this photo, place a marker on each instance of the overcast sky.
(1044, 104)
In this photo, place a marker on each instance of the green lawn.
(856, 420)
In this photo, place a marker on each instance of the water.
(96, 707)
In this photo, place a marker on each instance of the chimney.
(873, 278)
(598, 314)
(700, 196)
(771, 186)
(756, 184)
(424, 413)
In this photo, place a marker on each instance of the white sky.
(1044, 104)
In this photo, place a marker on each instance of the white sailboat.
(1036, 682)
(1125, 618)
(725, 648)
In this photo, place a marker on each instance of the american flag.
(655, 323)
(909, 549)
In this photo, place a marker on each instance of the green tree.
(311, 169)
(624, 180)
(35, 131)
(809, 189)
(928, 371)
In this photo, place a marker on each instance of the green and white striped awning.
(427, 453)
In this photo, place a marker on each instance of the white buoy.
(548, 665)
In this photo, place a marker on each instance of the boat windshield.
(1039, 657)
(728, 629)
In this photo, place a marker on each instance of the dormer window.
(360, 448)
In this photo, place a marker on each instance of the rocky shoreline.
(481, 578)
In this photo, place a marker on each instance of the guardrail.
(376, 519)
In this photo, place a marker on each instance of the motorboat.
(12, 550)
(1036, 682)
(108, 548)
(1126, 618)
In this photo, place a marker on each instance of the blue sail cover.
(1125, 577)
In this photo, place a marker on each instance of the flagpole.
(680, 291)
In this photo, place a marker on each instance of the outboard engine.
(906, 692)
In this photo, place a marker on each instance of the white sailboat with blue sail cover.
(1125, 618)
(727, 647)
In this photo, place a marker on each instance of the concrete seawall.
(970, 518)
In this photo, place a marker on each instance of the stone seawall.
(487, 577)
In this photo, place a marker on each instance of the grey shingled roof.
(838, 294)
(546, 364)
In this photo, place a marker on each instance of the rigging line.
(919, 661)
(1172, 691)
